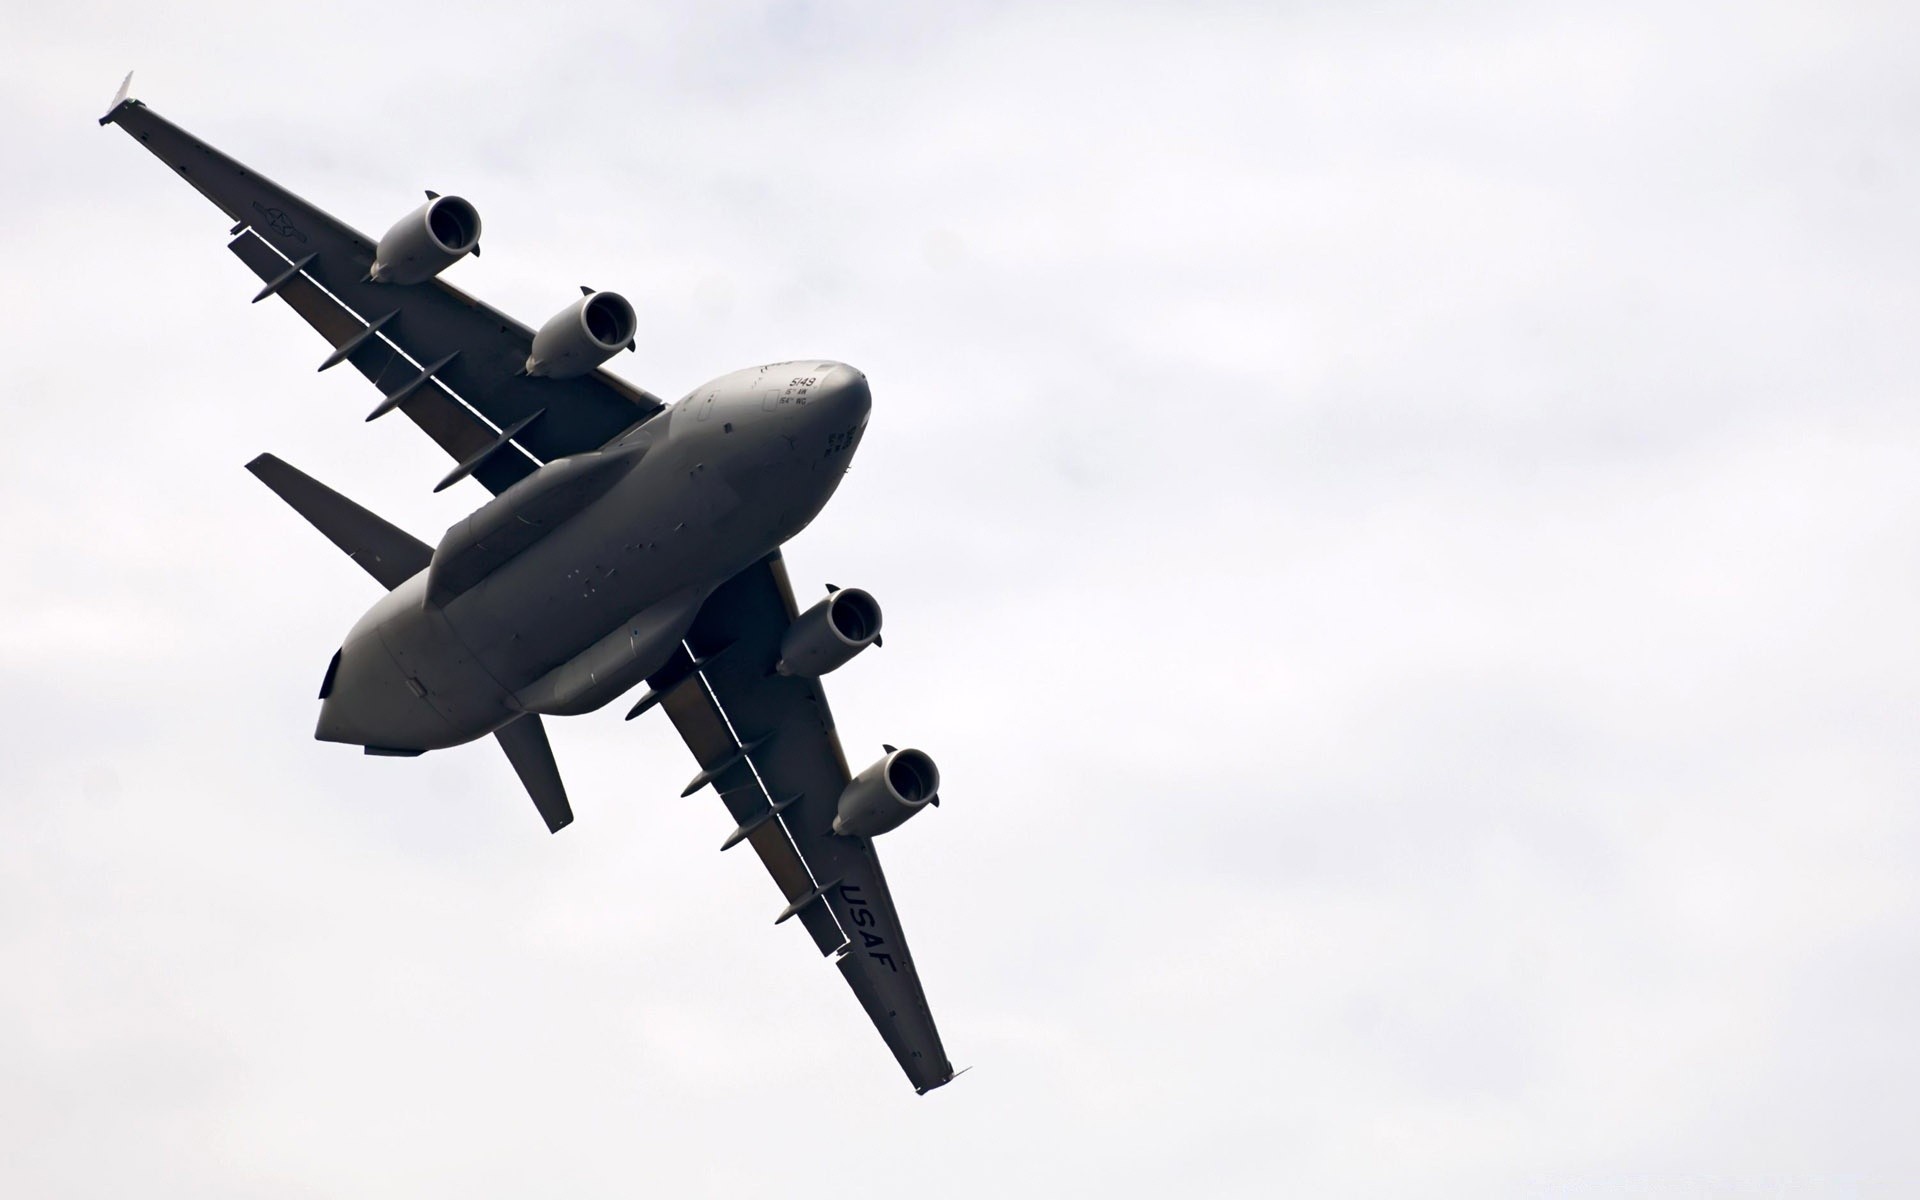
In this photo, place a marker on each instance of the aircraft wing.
(787, 732)
(454, 363)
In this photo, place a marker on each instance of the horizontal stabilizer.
(386, 552)
(525, 741)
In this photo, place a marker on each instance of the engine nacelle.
(427, 241)
(830, 633)
(583, 335)
(884, 795)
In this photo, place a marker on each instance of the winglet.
(119, 98)
(944, 1082)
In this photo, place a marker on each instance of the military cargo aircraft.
(628, 542)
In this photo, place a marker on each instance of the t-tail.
(393, 556)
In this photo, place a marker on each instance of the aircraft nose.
(841, 400)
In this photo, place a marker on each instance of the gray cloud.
(1398, 526)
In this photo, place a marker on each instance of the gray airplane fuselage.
(588, 598)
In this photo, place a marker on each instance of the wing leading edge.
(788, 730)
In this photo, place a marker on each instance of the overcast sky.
(1401, 528)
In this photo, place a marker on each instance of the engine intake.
(830, 633)
(583, 335)
(427, 241)
(884, 795)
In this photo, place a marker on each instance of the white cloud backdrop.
(1401, 527)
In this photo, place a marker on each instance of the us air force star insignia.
(278, 222)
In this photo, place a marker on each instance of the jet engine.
(830, 633)
(427, 241)
(884, 795)
(583, 335)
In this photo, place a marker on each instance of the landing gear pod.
(830, 633)
(427, 241)
(884, 795)
(583, 335)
